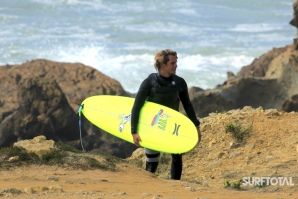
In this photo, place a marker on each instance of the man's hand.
(136, 139)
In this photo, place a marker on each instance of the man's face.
(171, 66)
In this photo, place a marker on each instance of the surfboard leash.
(80, 124)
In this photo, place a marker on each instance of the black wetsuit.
(168, 92)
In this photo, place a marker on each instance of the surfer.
(168, 89)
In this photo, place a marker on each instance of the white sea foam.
(131, 69)
(120, 38)
(260, 27)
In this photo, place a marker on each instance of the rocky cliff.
(270, 81)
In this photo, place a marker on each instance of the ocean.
(120, 38)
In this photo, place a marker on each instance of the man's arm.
(135, 112)
(138, 104)
(184, 97)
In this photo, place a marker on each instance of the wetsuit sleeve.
(138, 104)
(184, 97)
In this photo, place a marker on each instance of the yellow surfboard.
(160, 128)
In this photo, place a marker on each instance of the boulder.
(259, 66)
(76, 81)
(38, 145)
(294, 21)
(43, 99)
(291, 104)
(268, 82)
(43, 110)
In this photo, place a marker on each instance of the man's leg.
(152, 159)
(176, 167)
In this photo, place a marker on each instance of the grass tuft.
(233, 185)
(237, 131)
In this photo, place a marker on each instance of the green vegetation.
(139, 163)
(234, 185)
(237, 131)
(21, 153)
(63, 155)
(111, 158)
(54, 157)
(220, 112)
(64, 147)
(93, 163)
(164, 158)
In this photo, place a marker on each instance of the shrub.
(237, 131)
(234, 185)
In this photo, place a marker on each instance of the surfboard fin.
(80, 109)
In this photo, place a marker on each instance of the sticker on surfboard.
(124, 119)
(160, 119)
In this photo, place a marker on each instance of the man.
(165, 88)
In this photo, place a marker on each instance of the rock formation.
(38, 145)
(76, 80)
(43, 110)
(41, 97)
(294, 21)
(268, 82)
